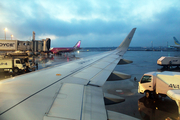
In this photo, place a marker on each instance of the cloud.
(162, 30)
(101, 23)
(43, 36)
(90, 40)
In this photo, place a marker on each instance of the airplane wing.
(69, 91)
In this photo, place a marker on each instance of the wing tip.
(128, 38)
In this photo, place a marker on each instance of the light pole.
(5, 29)
(12, 37)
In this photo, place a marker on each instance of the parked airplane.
(69, 49)
(68, 91)
(177, 43)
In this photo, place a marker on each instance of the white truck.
(158, 83)
(29, 62)
(12, 65)
(168, 61)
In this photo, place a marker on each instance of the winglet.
(127, 40)
(176, 41)
(78, 44)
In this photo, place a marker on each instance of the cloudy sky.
(98, 23)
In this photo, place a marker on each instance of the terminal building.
(33, 45)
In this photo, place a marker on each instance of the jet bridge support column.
(33, 42)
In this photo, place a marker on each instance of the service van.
(158, 83)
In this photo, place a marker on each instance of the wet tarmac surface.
(135, 104)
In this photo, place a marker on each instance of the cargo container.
(168, 61)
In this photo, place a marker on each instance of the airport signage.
(8, 45)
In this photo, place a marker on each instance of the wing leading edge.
(75, 93)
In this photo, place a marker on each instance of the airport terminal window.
(146, 79)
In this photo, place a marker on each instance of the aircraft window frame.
(146, 79)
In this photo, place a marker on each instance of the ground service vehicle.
(158, 83)
(168, 61)
(30, 65)
(12, 65)
(24, 56)
(29, 62)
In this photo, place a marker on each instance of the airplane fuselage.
(68, 49)
(57, 50)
